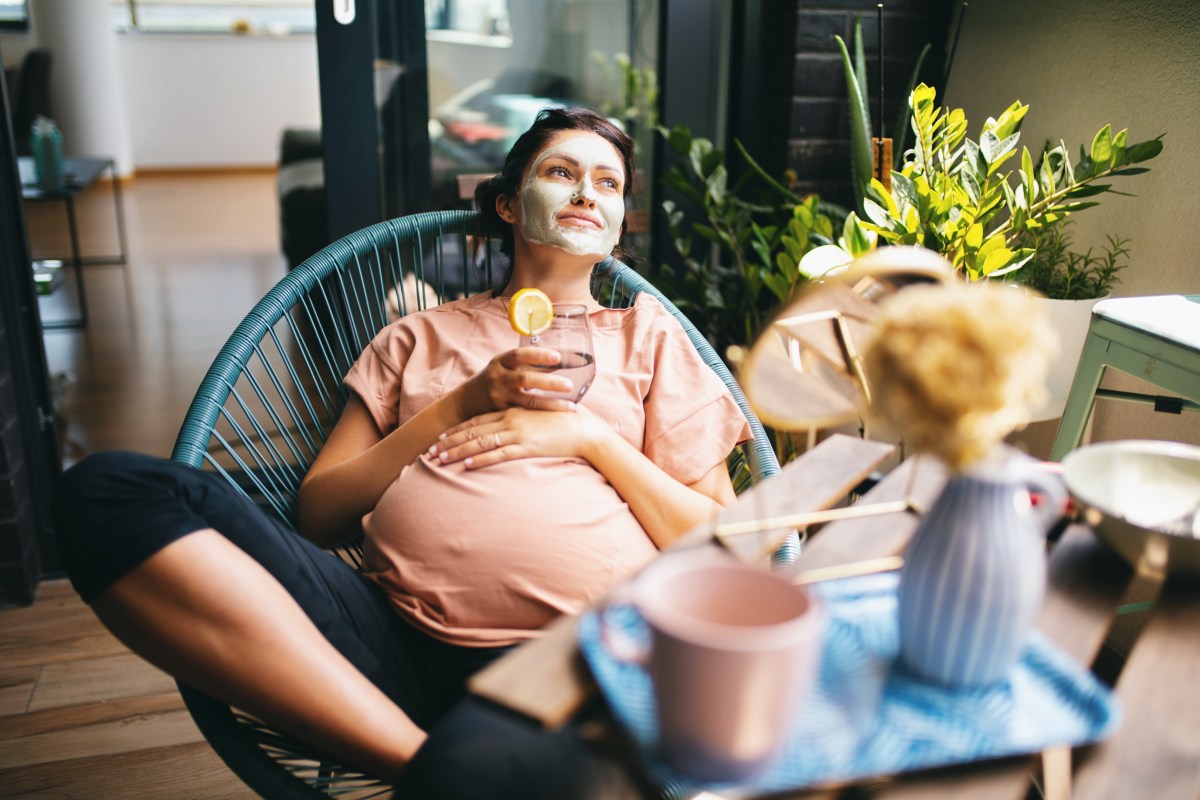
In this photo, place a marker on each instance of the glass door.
(493, 64)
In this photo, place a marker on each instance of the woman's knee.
(112, 510)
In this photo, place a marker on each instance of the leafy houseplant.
(958, 197)
(744, 258)
(1060, 273)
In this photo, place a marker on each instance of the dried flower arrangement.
(955, 368)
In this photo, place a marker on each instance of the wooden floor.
(81, 717)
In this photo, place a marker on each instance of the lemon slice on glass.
(530, 312)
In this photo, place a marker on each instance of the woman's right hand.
(506, 380)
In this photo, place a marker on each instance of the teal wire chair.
(275, 390)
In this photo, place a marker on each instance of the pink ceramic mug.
(734, 650)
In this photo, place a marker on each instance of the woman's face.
(573, 195)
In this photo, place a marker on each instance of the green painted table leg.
(1082, 397)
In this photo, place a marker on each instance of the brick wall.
(816, 117)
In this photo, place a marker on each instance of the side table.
(80, 173)
(1153, 338)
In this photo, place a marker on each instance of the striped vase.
(975, 573)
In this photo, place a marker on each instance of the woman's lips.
(575, 219)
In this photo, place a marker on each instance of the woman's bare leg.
(207, 613)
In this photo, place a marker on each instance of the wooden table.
(1154, 753)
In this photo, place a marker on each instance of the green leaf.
(1130, 171)
(1089, 189)
(710, 161)
(993, 242)
(860, 64)
(996, 259)
(680, 139)
(716, 183)
(1144, 151)
(856, 239)
(700, 149)
(707, 232)
(1102, 146)
(861, 157)
(974, 236)
(876, 213)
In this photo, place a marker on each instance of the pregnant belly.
(489, 556)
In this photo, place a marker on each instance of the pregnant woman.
(487, 508)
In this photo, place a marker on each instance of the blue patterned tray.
(868, 715)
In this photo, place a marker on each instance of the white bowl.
(1137, 492)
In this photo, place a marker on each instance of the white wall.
(216, 101)
(208, 101)
(1080, 64)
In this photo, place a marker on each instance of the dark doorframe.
(29, 460)
(691, 38)
(376, 148)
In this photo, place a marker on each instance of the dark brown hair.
(549, 122)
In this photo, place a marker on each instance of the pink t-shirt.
(487, 557)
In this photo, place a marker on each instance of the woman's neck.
(565, 278)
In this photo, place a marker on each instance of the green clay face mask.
(572, 197)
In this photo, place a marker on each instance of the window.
(476, 17)
(276, 17)
(14, 15)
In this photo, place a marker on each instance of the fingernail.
(443, 456)
(469, 461)
(432, 450)
(441, 437)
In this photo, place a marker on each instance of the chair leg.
(1082, 397)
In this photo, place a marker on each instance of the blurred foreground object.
(805, 372)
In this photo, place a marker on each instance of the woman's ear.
(504, 209)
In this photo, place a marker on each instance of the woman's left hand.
(518, 433)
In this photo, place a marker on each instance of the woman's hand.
(519, 433)
(507, 380)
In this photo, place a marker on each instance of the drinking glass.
(571, 335)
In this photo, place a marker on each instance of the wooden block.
(1156, 751)
(920, 479)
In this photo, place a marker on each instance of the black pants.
(114, 510)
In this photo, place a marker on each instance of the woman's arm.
(666, 508)
(358, 462)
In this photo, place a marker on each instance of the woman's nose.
(584, 196)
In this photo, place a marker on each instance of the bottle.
(45, 142)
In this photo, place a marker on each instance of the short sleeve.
(375, 377)
(692, 421)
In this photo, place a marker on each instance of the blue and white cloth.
(867, 715)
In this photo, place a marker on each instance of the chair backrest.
(275, 389)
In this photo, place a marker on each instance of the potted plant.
(1069, 283)
(743, 259)
(969, 201)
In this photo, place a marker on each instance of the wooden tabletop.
(1154, 753)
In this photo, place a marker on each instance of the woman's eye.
(559, 171)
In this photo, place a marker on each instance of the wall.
(216, 101)
(209, 101)
(1080, 64)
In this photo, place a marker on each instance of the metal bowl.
(1141, 497)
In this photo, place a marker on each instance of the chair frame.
(328, 308)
